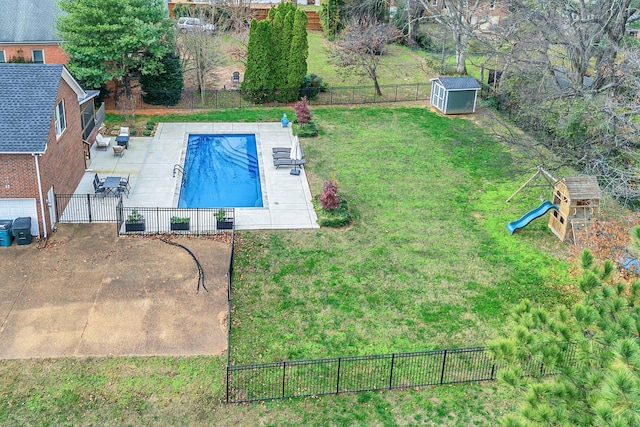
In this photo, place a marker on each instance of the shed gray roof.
(459, 83)
(28, 98)
(28, 21)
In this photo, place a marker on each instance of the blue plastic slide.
(530, 216)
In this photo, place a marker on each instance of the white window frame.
(3, 57)
(60, 119)
(33, 57)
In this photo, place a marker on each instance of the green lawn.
(164, 391)
(400, 65)
(426, 264)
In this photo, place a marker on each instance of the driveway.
(90, 293)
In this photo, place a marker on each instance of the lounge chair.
(288, 162)
(280, 149)
(102, 143)
(118, 150)
(285, 154)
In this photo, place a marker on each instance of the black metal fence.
(198, 221)
(82, 208)
(237, 98)
(364, 373)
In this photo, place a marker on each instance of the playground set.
(576, 204)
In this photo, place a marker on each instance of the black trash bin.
(21, 230)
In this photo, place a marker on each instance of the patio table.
(123, 140)
(111, 184)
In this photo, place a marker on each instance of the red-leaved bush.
(303, 115)
(329, 198)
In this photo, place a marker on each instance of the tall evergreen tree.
(331, 17)
(258, 79)
(166, 87)
(299, 51)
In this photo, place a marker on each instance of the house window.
(38, 56)
(2, 57)
(492, 4)
(60, 119)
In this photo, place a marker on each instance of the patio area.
(150, 163)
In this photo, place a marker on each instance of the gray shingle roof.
(459, 83)
(28, 21)
(28, 98)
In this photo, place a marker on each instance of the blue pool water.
(221, 172)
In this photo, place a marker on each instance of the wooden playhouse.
(578, 199)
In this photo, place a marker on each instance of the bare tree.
(581, 37)
(238, 14)
(359, 49)
(460, 18)
(200, 53)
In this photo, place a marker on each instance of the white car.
(186, 24)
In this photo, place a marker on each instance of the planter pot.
(179, 226)
(224, 225)
(134, 226)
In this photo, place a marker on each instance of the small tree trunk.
(377, 86)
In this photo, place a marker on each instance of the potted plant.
(222, 222)
(178, 223)
(134, 222)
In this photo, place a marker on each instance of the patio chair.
(124, 182)
(235, 77)
(102, 143)
(124, 131)
(97, 187)
(98, 180)
(288, 162)
(123, 189)
(118, 150)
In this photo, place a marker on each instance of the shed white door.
(15, 208)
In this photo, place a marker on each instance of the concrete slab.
(151, 163)
(89, 293)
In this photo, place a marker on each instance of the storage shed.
(454, 95)
(578, 199)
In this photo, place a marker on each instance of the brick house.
(43, 115)
(28, 30)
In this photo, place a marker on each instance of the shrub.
(150, 127)
(312, 85)
(146, 132)
(329, 198)
(151, 123)
(308, 131)
(336, 217)
(303, 115)
(133, 132)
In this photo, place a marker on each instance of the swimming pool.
(221, 171)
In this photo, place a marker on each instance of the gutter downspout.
(44, 219)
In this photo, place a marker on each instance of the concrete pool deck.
(150, 161)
